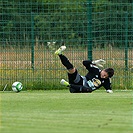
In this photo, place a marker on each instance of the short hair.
(110, 72)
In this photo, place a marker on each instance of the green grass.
(63, 112)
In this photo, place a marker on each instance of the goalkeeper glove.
(99, 62)
(109, 91)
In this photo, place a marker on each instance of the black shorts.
(75, 78)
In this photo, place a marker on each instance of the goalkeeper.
(94, 79)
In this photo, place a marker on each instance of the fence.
(91, 29)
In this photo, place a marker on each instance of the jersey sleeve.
(107, 84)
(87, 64)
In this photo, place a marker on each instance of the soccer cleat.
(60, 50)
(65, 83)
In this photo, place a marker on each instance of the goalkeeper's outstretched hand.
(99, 62)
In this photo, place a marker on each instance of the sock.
(66, 62)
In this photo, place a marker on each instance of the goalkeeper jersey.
(93, 76)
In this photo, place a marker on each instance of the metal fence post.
(89, 14)
(32, 41)
(126, 41)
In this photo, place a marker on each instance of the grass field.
(63, 112)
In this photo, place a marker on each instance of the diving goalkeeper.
(93, 80)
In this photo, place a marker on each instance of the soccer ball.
(17, 86)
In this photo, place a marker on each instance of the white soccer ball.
(17, 86)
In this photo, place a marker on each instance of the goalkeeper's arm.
(87, 63)
(99, 63)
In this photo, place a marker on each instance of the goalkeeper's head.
(109, 71)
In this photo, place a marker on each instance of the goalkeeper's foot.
(60, 50)
(64, 82)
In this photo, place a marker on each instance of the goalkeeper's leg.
(64, 60)
(76, 88)
(75, 80)
(79, 89)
